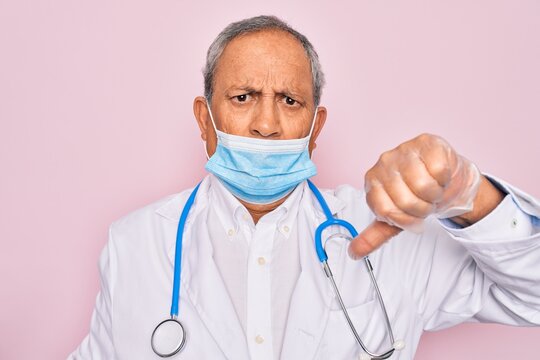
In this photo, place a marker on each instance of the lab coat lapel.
(208, 294)
(312, 296)
(202, 284)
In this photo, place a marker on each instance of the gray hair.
(252, 25)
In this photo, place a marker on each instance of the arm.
(484, 264)
(420, 178)
(486, 200)
(489, 271)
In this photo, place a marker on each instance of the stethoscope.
(169, 336)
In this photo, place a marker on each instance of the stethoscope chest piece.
(168, 338)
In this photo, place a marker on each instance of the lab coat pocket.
(338, 341)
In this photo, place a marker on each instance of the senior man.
(252, 286)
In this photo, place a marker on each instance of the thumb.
(376, 234)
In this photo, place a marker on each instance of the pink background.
(96, 121)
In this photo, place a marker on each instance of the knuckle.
(373, 189)
(384, 211)
(439, 168)
(421, 185)
(403, 147)
(369, 177)
(385, 157)
(440, 141)
(369, 243)
(373, 202)
(408, 203)
(425, 137)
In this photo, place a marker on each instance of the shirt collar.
(226, 206)
(230, 205)
(232, 213)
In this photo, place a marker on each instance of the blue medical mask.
(260, 171)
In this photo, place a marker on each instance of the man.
(252, 285)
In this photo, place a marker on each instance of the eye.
(241, 98)
(290, 101)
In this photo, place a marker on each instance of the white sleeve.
(98, 344)
(489, 271)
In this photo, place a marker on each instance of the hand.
(421, 177)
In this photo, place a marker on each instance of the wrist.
(486, 200)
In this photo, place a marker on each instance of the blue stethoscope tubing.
(330, 221)
(323, 258)
(321, 253)
(173, 326)
(178, 251)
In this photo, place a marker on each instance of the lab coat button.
(286, 228)
(230, 232)
(259, 339)
(261, 260)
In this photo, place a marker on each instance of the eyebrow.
(251, 89)
(247, 88)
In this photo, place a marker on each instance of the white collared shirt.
(258, 263)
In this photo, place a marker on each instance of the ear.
(201, 114)
(320, 120)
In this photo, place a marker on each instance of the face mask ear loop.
(206, 151)
(313, 123)
(213, 124)
(311, 130)
(211, 117)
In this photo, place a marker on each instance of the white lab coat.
(487, 272)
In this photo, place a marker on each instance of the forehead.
(272, 57)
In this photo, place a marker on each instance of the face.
(262, 89)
